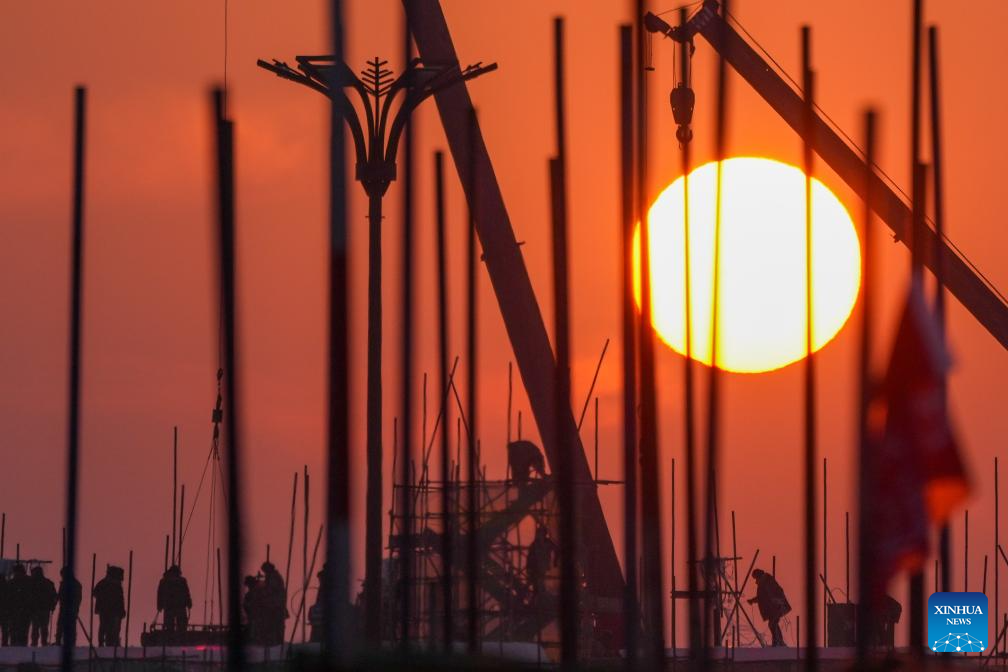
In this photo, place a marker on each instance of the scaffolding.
(518, 600)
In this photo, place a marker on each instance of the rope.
(857, 148)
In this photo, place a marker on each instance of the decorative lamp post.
(375, 141)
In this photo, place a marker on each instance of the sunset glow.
(761, 312)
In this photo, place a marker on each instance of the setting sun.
(761, 315)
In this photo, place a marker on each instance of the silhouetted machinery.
(961, 277)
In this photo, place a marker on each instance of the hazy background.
(150, 328)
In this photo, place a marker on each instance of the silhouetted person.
(887, 616)
(110, 605)
(316, 615)
(41, 603)
(174, 600)
(773, 604)
(525, 459)
(541, 558)
(253, 606)
(69, 598)
(274, 605)
(19, 604)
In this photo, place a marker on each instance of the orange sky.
(150, 313)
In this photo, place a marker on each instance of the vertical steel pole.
(74, 382)
(567, 491)
(714, 387)
(226, 251)
(654, 607)
(472, 560)
(810, 361)
(689, 421)
(447, 545)
(631, 609)
(304, 549)
(406, 269)
(129, 600)
(938, 183)
(866, 574)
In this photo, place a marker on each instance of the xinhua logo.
(957, 622)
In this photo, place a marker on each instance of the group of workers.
(27, 602)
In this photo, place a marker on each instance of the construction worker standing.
(41, 603)
(19, 601)
(110, 605)
(69, 598)
(174, 600)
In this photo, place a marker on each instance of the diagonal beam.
(515, 296)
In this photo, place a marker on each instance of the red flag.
(914, 475)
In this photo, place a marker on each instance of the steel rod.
(810, 448)
(407, 354)
(631, 609)
(232, 405)
(865, 568)
(689, 419)
(447, 543)
(74, 377)
(567, 495)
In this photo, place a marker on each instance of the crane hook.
(682, 100)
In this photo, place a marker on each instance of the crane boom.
(969, 288)
(517, 301)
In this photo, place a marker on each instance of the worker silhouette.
(69, 598)
(253, 607)
(542, 556)
(19, 605)
(174, 600)
(41, 603)
(110, 606)
(525, 460)
(274, 600)
(773, 604)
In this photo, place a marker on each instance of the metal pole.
(847, 555)
(336, 587)
(74, 391)
(713, 387)
(174, 503)
(672, 559)
(3, 536)
(689, 420)
(181, 536)
(472, 580)
(220, 593)
(810, 368)
(225, 203)
(866, 577)
(939, 267)
(290, 539)
(129, 600)
(825, 553)
(631, 609)
(304, 549)
(447, 546)
(407, 353)
(566, 490)
(997, 527)
(94, 567)
(651, 545)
